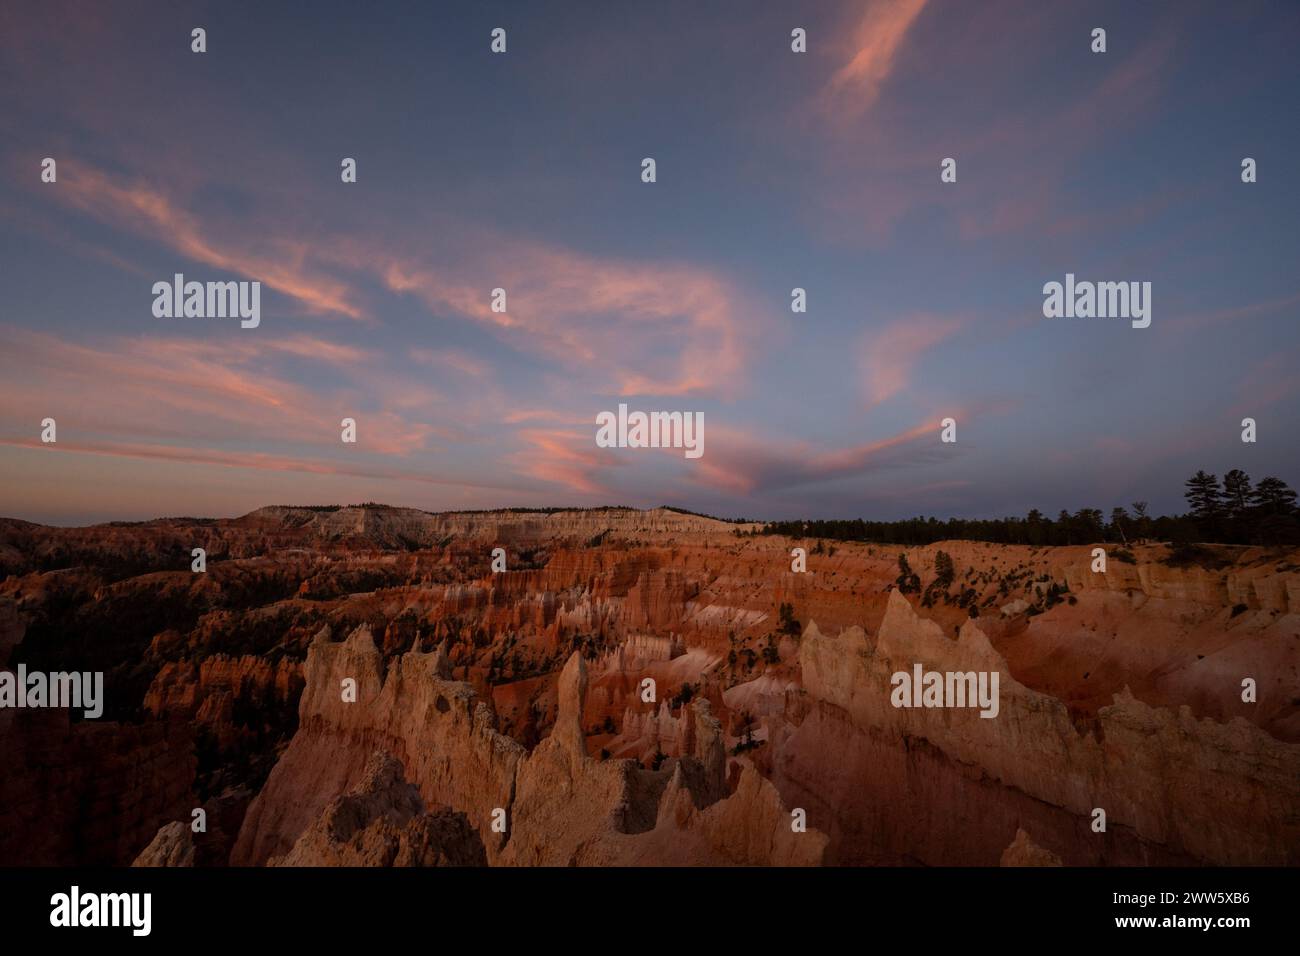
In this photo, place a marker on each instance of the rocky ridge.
(525, 691)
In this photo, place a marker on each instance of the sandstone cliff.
(558, 805)
(1171, 785)
(1119, 690)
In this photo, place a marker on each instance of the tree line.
(1233, 511)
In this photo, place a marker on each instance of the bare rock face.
(262, 689)
(573, 810)
(439, 731)
(573, 694)
(559, 805)
(381, 822)
(565, 803)
(397, 527)
(209, 693)
(173, 846)
(1171, 785)
(1025, 852)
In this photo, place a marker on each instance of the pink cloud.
(889, 355)
(240, 459)
(633, 327)
(627, 326)
(743, 463)
(880, 32)
(565, 457)
(316, 349)
(225, 391)
(521, 416)
(864, 203)
(456, 360)
(149, 212)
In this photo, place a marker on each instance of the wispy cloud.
(1192, 321)
(262, 461)
(866, 202)
(890, 354)
(227, 391)
(876, 38)
(568, 458)
(521, 416)
(633, 327)
(456, 360)
(148, 211)
(1270, 380)
(744, 463)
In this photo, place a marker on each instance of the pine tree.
(943, 569)
(1204, 496)
(1063, 528)
(1035, 531)
(1089, 521)
(1237, 491)
(1118, 518)
(1273, 496)
(908, 581)
(1143, 520)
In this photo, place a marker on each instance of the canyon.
(638, 688)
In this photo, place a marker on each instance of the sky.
(522, 170)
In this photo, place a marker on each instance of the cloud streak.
(223, 390)
(262, 461)
(632, 327)
(568, 458)
(890, 354)
(879, 34)
(149, 212)
(741, 463)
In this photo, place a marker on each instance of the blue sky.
(522, 171)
